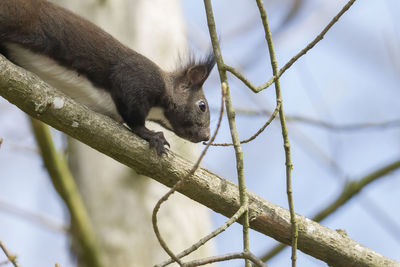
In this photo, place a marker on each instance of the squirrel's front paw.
(158, 141)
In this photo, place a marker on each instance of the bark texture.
(41, 101)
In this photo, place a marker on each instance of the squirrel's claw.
(167, 144)
(158, 141)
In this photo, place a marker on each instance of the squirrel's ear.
(197, 75)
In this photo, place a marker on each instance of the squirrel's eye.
(202, 105)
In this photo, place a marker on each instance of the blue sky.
(352, 76)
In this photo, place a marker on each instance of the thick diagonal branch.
(41, 101)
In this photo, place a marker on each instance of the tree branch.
(32, 217)
(66, 187)
(319, 37)
(202, 241)
(11, 258)
(241, 255)
(285, 134)
(349, 190)
(356, 126)
(230, 112)
(41, 101)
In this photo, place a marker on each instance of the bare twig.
(257, 89)
(180, 182)
(241, 255)
(324, 124)
(314, 122)
(32, 217)
(202, 241)
(385, 218)
(254, 136)
(65, 185)
(315, 41)
(232, 125)
(345, 127)
(4, 262)
(319, 37)
(286, 143)
(310, 121)
(350, 190)
(11, 257)
(241, 77)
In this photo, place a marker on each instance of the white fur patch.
(157, 114)
(76, 86)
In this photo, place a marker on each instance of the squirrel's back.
(57, 33)
(71, 53)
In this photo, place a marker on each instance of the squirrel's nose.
(206, 136)
(198, 135)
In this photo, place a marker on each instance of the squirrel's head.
(187, 109)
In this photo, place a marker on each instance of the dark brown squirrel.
(91, 66)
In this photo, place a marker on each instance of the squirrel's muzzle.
(195, 135)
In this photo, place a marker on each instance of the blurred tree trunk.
(120, 202)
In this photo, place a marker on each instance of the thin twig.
(316, 39)
(385, 218)
(324, 124)
(286, 143)
(319, 37)
(254, 136)
(4, 262)
(345, 127)
(313, 122)
(202, 241)
(350, 190)
(271, 118)
(241, 255)
(241, 77)
(11, 257)
(232, 125)
(33, 217)
(180, 182)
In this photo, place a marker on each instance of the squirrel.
(88, 64)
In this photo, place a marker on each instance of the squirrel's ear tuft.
(196, 72)
(209, 61)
